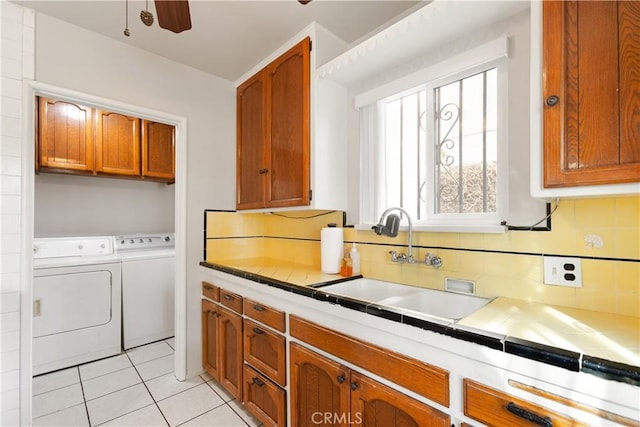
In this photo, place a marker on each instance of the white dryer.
(76, 301)
(148, 287)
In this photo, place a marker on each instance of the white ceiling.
(227, 38)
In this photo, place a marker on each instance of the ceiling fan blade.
(173, 15)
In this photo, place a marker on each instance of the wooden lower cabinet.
(495, 408)
(264, 399)
(324, 392)
(222, 346)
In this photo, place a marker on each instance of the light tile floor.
(136, 388)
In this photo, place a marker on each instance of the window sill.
(488, 229)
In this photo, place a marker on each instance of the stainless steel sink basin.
(444, 305)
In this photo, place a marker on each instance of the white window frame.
(493, 54)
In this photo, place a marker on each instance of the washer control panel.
(141, 242)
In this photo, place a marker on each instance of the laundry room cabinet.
(591, 80)
(77, 139)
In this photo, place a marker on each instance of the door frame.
(31, 89)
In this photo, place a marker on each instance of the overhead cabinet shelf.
(435, 24)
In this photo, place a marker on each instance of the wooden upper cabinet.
(158, 150)
(591, 92)
(65, 136)
(251, 165)
(273, 138)
(117, 144)
(288, 137)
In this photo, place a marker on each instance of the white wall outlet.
(562, 271)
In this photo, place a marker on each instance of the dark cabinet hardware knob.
(528, 415)
(340, 379)
(208, 287)
(258, 331)
(552, 100)
(263, 171)
(258, 307)
(354, 386)
(257, 381)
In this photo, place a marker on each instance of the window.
(438, 149)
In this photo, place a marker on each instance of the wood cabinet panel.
(318, 386)
(288, 139)
(231, 352)
(265, 314)
(265, 400)
(591, 88)
(374, 404)
(210, 338)
(265, 351)
(158, 150)
(424, 379)
(495, 408)
(65, 136)
(251, 163)
(117, 144)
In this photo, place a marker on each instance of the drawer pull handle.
(258, 331)
(257, 381)
(340, 379)
(528, 415)
(208, 287)
(228, 297)
(258, 307)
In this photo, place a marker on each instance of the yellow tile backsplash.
(604, 232)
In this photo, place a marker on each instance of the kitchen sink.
(410, 299)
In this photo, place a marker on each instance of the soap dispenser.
(355, 259)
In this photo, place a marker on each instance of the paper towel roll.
(331, 249)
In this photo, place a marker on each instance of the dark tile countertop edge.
(550, 355)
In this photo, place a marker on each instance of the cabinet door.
(265, 351)
(230, 352)
(158, 150)
(65, 136)
(591, 81)
(117, 144)
(319, 389)
(210, 338)
(264, 399)
(374, 404)
(288, 136)
(251, 163)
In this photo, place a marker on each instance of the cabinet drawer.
(265, 400)
(264, 314)
(266, 351)
(210, 291)
(231, 300)
(495, 408)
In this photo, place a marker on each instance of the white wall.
(68, 205)
(75, 59)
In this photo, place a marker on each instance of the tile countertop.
(607, 345)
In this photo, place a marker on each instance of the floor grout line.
(149, 391)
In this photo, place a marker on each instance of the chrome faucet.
(390, 228)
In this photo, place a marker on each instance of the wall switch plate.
(562, 271)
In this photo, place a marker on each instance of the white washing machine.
(148, 287)
(76, 301)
